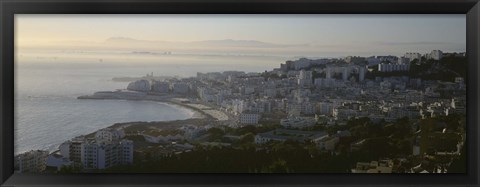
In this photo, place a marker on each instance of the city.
(377, 114)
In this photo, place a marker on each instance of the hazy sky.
(350, 34)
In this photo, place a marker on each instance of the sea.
(47, 84)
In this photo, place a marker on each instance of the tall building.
(328, 73)
(101, 155)
(106, 150)
(76, 150)
(305, 78)
(31, 162)
(345, 73)
(361, 74)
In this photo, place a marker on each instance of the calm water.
(47, 112)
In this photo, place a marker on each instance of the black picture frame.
(11, 7)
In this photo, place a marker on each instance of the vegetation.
(446, 69)
(383, 140)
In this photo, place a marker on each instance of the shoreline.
(200, 110)
(202, 115)
(198, 116)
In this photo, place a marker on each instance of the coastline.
(199, 117)
(200, 110)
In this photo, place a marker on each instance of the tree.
(278, 166)
(215, 134)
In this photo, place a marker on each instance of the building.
(328, 73)
(109, 134)
(324, 108)
(389, 58)
(393, 67)
(345, 73)
(57, 161)
(361, 74)
(371, 61)
(293, 135)
(435, 55)
(459, 105)
(190, 132)
(327, 143)
(73, 150)
(180, 88)
(298, 122)
(161, 87)
(31, 162)
(305, 78)
(249, 118)
(403, 60)
(106, 150)
(101, 155)
(354, 59)
(413, 56)
(140, 86)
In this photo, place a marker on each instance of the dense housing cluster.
(397, 114)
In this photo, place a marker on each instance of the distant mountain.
(237, 43)
(212, 43)
(126, 40)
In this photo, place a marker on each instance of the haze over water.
(47, 112)
(61, 57)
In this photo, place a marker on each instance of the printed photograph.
(310, 93)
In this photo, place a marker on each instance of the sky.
(329, 35)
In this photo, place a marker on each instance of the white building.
(238, 106)
(298, 122)
(101, 155)
(31, 162)
(140, 85)
(393, 67)
(305, 78)
(354, 59)
(109, 134)
(413, 56)
(389, 58)
(436, 55)
(105, 151)
(248, 118)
